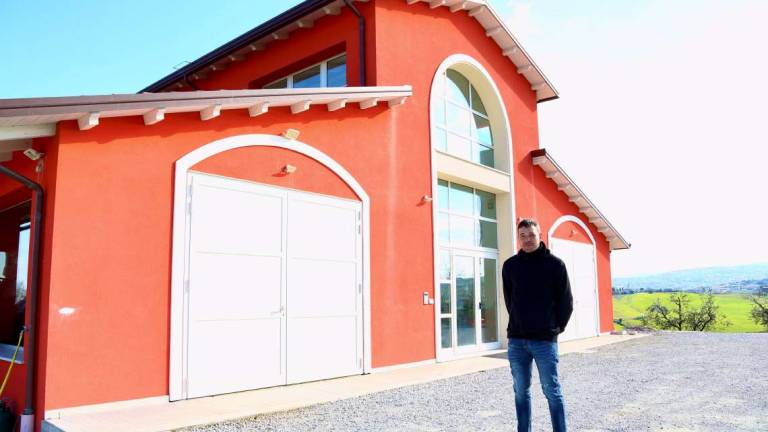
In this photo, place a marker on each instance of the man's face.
(529, 238)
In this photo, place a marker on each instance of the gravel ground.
(669, 381)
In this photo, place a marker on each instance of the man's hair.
(528, 223)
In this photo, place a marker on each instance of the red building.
(328, 194)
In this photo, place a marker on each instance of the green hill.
(743, 278)
(735, 307)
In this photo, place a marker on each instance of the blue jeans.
(521, 354)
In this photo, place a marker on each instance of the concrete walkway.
(157, 414)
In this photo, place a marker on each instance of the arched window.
(461, 121)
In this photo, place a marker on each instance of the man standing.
(539, 301)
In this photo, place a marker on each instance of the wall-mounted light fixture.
(291, 134)
(33, 154)
(426, 199)
(289, 169)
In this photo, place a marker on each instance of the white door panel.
(237, 221)
(235, 355)
(236, 287)
(253, 280)
(322, 347)
(324, 302)
(320, 288)
(274, 287)
(579, 259)
(324, 229)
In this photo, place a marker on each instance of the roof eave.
(543, 159)
(239, 42)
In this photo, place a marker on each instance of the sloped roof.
(553, 171)
(304, 14)
(21, 120)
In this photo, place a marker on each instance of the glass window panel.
(438, 110)
(487, 237)
(477, 103)
(441, 139)
(488, 304)
(14, 250)
(445, 298)
(442, 194)
(457, 87)
(279, 84)
(443, 231)
(309, 78)
(444, 270)
(465, 300)
(462, 231)
(462, 199)
(445, 332)
(458, 146)
(337, 72)
(485, 155)
(485, 203)
(22, 265)
(458, 120)
(481, 130)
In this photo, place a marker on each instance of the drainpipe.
(28, 415)
(361, 27)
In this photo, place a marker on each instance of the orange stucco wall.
(573, 232)
(265, 165)
(112, 243)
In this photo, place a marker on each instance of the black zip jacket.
(537, 295)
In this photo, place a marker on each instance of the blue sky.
(661, 117)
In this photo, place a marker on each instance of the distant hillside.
(743, 278)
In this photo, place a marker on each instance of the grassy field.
(735, 307)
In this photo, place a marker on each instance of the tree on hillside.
(760, 310)
(679, 314)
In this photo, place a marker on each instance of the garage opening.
(579, 258)
(273, 287)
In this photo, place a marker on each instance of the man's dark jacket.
(537, 295)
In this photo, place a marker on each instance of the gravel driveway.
(668, 381)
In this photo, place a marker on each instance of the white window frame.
(443, 126)
(446, 166)
(475, 216)
(323, 73)
(180, 237)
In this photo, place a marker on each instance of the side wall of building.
(409, 32)
(112, 244)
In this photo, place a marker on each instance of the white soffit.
(496, 29)
(21, 119)
(554, 172)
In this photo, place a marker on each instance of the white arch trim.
(570, 218)
(498, 103)
(179, 252)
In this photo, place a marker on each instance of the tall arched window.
(461, 121)
(474, 206)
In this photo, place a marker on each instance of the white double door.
(468, 303)
(579, 260)
(274, 291)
